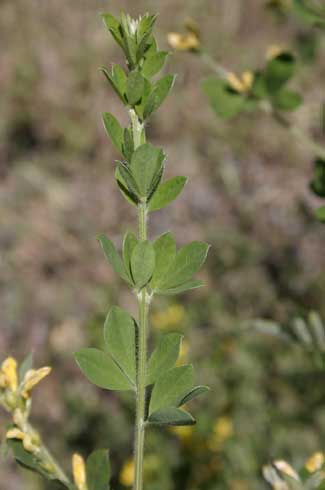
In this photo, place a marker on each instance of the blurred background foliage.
(248, 196)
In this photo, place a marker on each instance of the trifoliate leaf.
(159, 93)
(153, 63)
(170, 387)
(142, 263)
(120, 334)
(129, 243)
(193, 393)
(112, 256)
(182, 288)
(117, 79)
(146, 166)
(134, 87)
(102, 370)
(114, 130)
(166, 193)
(171, 416)
(165, 253)
(164, 356)
(188, 261)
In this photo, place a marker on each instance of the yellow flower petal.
(15, 434)
(32, 378)
(248, 79)
(273, 51)
(235, 82)
(285, 468)
(315, 462)
(183, 42)
(9, 370)
(79, 471)
(127, 473)
(29, 444)
(243, 83)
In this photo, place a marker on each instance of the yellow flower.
(222, 430)
(183, 42)
(15, 434)
(315, 462)
(184, 433)
(30, 443)
(183, 353)
(169, 318)
(241, 84)
(32, 378)
(9, 378)
(285, 468)
(79, 471)
(273, 51)
(127, 473)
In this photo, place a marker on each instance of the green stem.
(47, 457)
(143, 303)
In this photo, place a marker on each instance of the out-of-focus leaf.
(98, 470)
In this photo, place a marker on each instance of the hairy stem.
(143, 304)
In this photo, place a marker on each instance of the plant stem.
(143, 303)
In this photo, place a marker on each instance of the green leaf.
(153, 63)
(320, 214)
(112, 256)
(166, 193)
(225, 102)
(142, 263)
(29, 461)
(279, 71)
(309, 13)
(117, 79)
(113, 25)
(98, 470)
(170, 387)
(146, 166)
(182, 288)
(128, 145)
(188, 261)
(127, 194)
(159, 93)
(101, 370)
(193, 393)
(134, 87)
(317, 185)
(164, 356)
(120, 335)
(114, 130)
(25, 366)
(171, 416)
(287, 100)
(129, 243)
(128, 178)
(165, 253)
